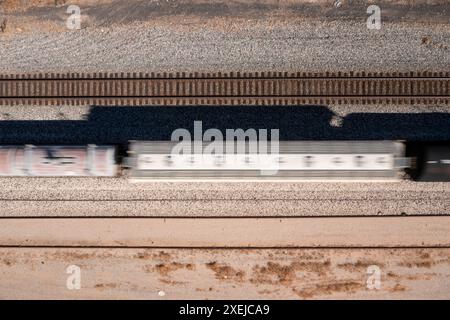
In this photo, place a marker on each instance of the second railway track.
(271, 88)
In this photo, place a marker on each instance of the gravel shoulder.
(117, 197)
(196, 36)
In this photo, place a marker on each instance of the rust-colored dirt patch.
(204, 290)
(266, 291)
(144, 255)
(397, 288)
(225, 272)
(358, 265)
(171, 282)
(20, 5)
(165, 268)
(430, 43)
(3, 23)
(328, 289)
(163, 255)
(417, 264)
(68, 256)
(7, 262)
(103, 286)
(391, 274)
(285, 274)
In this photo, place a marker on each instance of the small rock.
(426, 40)
(3, 25)
(336, 121)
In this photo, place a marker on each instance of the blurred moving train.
(295, 160)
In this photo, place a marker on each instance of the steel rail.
(271, 88)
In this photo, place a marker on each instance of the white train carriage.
(54, 161)
(294, 160)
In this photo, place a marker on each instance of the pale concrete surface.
(329, 232)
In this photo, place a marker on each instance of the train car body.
(433, 162)
(55, 161)
(294, 160)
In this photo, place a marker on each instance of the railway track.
(270, 88)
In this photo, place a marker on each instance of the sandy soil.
(40, 273)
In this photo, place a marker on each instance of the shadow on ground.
(117, 125)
